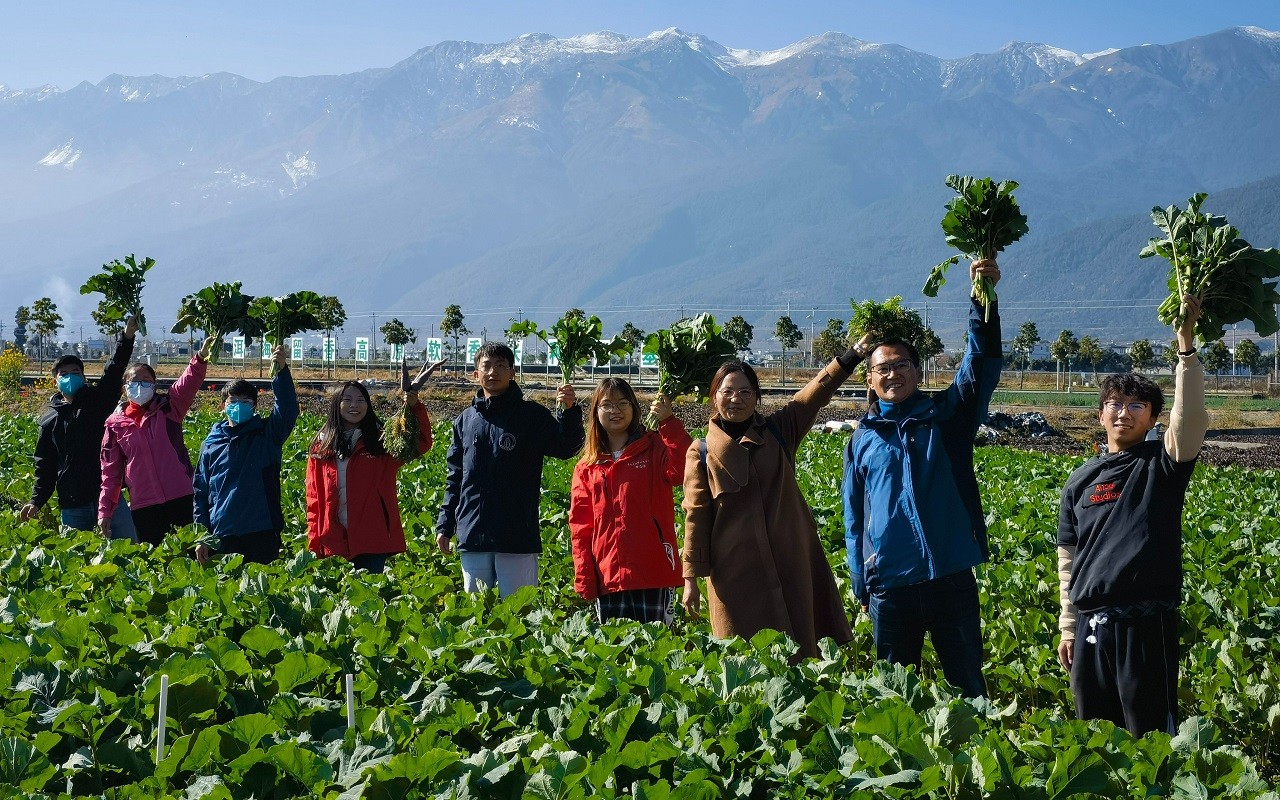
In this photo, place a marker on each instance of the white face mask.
(140, 392)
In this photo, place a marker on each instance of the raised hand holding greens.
(121, 288)
(980, 222)
(1211, 262)
(577, 338)
(217, 310)
(689, 353)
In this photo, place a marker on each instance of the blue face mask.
(239, 411)
(70, 383)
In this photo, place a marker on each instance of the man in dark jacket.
(495, 475)
(914, 526)
(66, 457)
(237, 480)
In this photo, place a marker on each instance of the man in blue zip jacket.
(237, 480)
(494, 482)
(914, 526)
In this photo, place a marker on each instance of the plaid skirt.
(641, 605)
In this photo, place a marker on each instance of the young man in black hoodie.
(67, 452)
(1120, 548)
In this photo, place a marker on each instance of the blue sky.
(66, 42)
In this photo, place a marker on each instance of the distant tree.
(788, 335)
(20, 320)
(1091, 352)
(634, 337)
(1142, 354)
(396, 332)
(1249, 356)
(1216, 357)
(1171, 353)
(331, 317)
(1026, 340)
(830, 342)
(1063, 349)
(454, 326)
(45, 322)
(739, 331)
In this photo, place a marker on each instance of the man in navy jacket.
(494, 482)
(914, 526)
(237, 480)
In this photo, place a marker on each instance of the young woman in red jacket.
(621, 513)
(352, 509)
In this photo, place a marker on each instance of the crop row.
(468, 696)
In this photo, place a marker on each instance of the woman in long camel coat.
(748, 528)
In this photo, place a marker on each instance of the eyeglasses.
(609, 408)
(1115, 407)
(884, 370)
(736, 394)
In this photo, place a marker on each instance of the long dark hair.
(597, 443)
(330, 442)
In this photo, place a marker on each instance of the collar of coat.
(498, 402)
(729, 460)
(917, 407)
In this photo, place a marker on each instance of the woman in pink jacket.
(144, 449)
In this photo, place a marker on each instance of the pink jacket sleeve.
(113, 461)
(183, 392)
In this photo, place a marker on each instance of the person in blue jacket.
(237, 480)
(494, 480)
(914, 526)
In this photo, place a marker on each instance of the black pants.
(260, 548)
(153, 522)
(946, 609)
(1126, 670)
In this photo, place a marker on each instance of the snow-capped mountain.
(600, 168)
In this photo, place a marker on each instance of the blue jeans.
(85, 518)
(507, 571)
(946, 608)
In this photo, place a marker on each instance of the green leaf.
(23, 766)
(297, 668)
(305, 766)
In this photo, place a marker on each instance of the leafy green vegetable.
(121, 287)
(890, 320)
(279, 318)
(689, 353)
(1209, 261)
(216, 310)
(980, 222)
(577, 338)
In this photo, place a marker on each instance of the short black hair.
(1131, 384)
(493, 350)
(240, 388)
(895, 342)
(65, 360)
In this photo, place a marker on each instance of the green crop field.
(461, 696)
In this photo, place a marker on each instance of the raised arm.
(979, 371)
(183, 392)
(675, 440)
(1188, 419)
(798, 415)
(284, 414)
